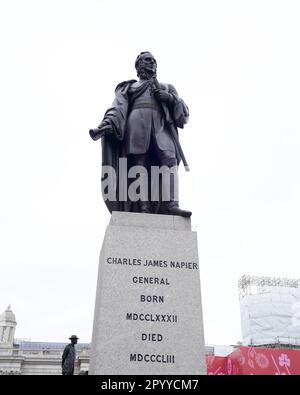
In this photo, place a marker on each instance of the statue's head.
(146, 65)
(74, 339)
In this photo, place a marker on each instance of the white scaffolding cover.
(271, 316)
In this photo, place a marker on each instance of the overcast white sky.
(235, 63)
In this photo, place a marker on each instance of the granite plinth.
(148, 313)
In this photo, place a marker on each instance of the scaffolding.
(280, 342)
(252, 285)
(270, 311)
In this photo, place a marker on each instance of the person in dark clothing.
(68, 357)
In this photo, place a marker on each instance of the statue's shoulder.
(123, 84)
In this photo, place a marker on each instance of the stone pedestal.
(148, 314)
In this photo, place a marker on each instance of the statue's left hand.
(163, 96)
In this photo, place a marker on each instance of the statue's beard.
(145, 74)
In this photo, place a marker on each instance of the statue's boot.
(172, 207)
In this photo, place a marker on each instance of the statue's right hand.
(100, 131)
(95, 134)
(105, 127)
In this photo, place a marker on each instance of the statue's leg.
(168, 159)
(140, 160)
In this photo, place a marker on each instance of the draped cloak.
(112, 143)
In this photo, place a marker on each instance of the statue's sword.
(173, 130)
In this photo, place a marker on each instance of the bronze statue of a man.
(68, 357)
(141, 126)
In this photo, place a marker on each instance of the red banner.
(263, 361)
(216, 365)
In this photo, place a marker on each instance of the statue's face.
(148, 63)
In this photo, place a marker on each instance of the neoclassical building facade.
(20, 357)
